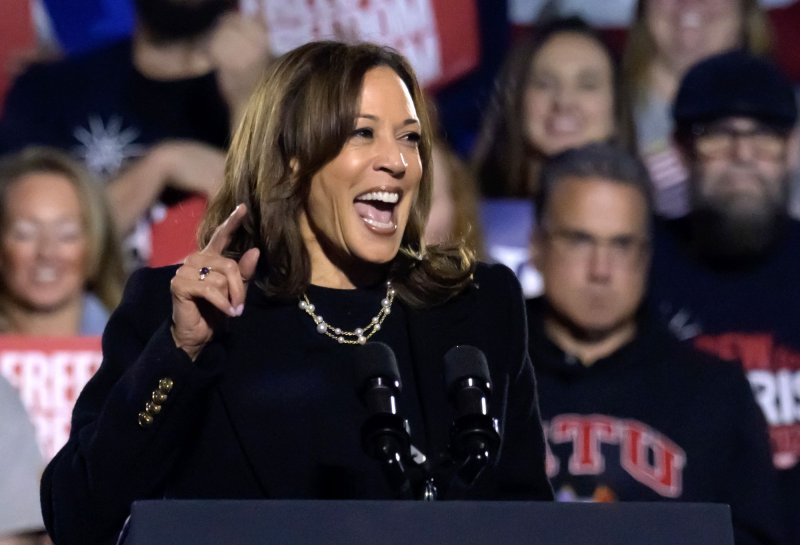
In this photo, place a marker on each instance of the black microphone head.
(375, 359)
(465, 361)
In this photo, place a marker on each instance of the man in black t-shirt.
(150, 115)
(725, 277)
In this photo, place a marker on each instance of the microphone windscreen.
(465, 361)
(375, 359)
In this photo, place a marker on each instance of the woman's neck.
(331, 268)
(64, 321)
(328, 275)
(663, 80)
(172, 60)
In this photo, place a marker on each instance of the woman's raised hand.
(208, 287)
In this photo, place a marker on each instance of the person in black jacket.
(724, 276)
(630, 414)
(231, 375)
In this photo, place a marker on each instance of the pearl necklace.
(359, 335)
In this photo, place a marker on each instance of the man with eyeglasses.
(726, 276)
(629, 412)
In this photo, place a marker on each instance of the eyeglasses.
(718, 141)
(578, 246)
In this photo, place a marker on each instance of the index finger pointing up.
(224, 232)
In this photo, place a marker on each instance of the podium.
(313, 522)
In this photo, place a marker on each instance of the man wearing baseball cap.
(727, 275)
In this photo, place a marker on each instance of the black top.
(746, 312)
(269, 409)
(655, 421)
(101, 109)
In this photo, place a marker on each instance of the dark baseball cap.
(735, 84)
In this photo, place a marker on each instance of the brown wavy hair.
(298, 120)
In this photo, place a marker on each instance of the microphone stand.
(474, 434)
(384, 437)
(474, 441)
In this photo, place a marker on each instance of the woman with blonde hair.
(60, 263)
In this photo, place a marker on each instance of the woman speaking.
(231, 376)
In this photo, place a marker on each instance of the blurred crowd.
(659, 158)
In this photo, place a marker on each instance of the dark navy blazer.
(233, 426)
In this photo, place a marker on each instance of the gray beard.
(725, 235)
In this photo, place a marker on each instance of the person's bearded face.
(740, 197)
(176, 20)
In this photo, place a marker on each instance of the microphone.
(474, 435)
(385, 434)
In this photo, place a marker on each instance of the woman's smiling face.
(359, 203)
(569, 100)
(43, 244)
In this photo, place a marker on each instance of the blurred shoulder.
(700, 369)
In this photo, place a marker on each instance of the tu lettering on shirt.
(645, 454)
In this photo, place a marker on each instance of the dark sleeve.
(110, 460)
(753, 489)
(521, 470)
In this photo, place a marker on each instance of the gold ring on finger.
(203, 272)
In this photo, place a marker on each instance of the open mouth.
(44, 275)
(564, 126)
(376, 209)
(690, 19)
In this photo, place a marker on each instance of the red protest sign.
(439, 37)
(49, 373)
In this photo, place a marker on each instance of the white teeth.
(690, 19)
(565, 124)
(45, 275)
(382, 196)
(380, 224)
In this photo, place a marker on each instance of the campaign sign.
(49, 373)
(439, 37)
(173, 232)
